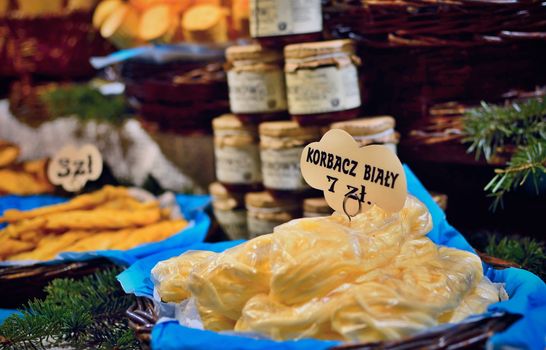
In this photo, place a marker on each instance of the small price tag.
(352, 178)
(73, 167)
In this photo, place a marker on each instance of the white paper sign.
(73, 167)
(352, 178)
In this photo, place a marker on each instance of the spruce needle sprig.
(83, 314)
(529, 253)
(520, 125)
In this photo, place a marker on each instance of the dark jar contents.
(259, 118)
(257, 91)
(277, 23)
(322, 82)
(281, 146)
(237, 153)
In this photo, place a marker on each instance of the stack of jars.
(285, 90)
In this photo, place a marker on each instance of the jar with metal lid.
(281, 22)
(322, 82)
(316, 207)
(266, 212)
(256, 83)
(281, 146)
(372, 131)
(237, 154)
(229, 210)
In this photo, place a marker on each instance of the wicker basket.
(143, 317)
(418, 53)
(56, 46)
(438, 137)
(183, 102)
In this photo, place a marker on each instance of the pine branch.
(84, 314)
(85, 102)
(490, 127)
(520, 125)
(527, 252)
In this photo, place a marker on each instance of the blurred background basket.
(418, 53)
(52, 46)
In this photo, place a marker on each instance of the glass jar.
(237, 154)
(281, 146)
(256, 83)
(322, 82)
(316, 207)
(372, 131)
(229, 210)
(265, 212)
(276, 23)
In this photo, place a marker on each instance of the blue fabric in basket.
(527, 297)
(192, 207)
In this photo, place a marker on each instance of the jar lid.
(306, 50)
(366, 126)
(316, 205)
(231, 122)
(224, 199)
(217, 190)
(252, 52)
(288, 129)
(266, 200)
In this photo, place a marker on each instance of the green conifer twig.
(519, 124)
(83, 314)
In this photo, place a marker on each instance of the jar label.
(284, 17)
(258, 227)
(238, 165)
(233, 222)
(257, 92)
(281, 169)
(323, 90)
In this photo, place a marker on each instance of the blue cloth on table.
(192, 208)
(527, 297)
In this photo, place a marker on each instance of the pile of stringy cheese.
(374, 278)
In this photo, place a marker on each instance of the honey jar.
(322, 82)
(316, 207)
(256, 83)
(278, 23)
(265, 212)
(237, 153)
(229, 210)
(372, 131)
(281, 146)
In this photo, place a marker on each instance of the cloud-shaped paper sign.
(73, 167)
(353, 178)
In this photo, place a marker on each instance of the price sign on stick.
(353, 178)
(73, 167)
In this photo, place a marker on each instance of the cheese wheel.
(179, 6)
(157, 22)
(104, 10)
(121, 27)
(39, 7)
(205, 24)
(143, 5)
(240, 12)
(80, 5)
(4, 6)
